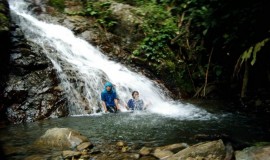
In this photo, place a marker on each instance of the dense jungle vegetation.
(208, 49)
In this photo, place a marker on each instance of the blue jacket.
(109, 97)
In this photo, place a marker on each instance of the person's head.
(108, 86)
(135, 94)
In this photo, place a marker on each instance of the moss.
(260, 144)
(59, 4)
(2, 8)
(3, 22)
(170, 66)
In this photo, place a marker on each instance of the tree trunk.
(245, 81)
(207, 70)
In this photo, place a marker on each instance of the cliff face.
(4, 49)
(29, 87)
(32, 89)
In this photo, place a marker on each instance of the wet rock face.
(4, 50)
(37, 6)
(32, 92)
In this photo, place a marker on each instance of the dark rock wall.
(32, 92)
(4, 50)
(30, 88)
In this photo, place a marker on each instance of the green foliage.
(2, 8)
(257, 48)
(102, 13)
(4, 22)
(197, 12)
(134, 2)
(179, 36)
(59, 4)
(81, 13)
(155, 48)
(217, 69)
(183, 79)
(159, 28)
(167, 67)
(156, 18)
(246, 55)
(261, 144)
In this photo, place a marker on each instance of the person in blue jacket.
(135, 103)
(109, 98)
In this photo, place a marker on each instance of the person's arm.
(103, 104)
(116, 104)
(126, 106)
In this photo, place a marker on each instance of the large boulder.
(128, 29)
(254, 153)
(62, 138)
(128, 26)
(213, 149)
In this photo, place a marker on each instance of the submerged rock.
(70, 154)
(120, 144)
(84, 146)
(145, 151)
(63, 138)
(173, 147)
(162, 154)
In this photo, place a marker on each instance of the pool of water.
(147, 129)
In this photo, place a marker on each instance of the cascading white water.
(83, 69)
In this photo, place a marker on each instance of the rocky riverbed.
(66, 143)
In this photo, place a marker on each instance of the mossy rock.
(2, 8)
(59, 4)
(4, 23)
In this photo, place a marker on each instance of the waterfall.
(83, 69)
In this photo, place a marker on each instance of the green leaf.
(205, 31)
(257, 48)
(246, 55)
(92, 13)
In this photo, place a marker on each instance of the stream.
(142, 129)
